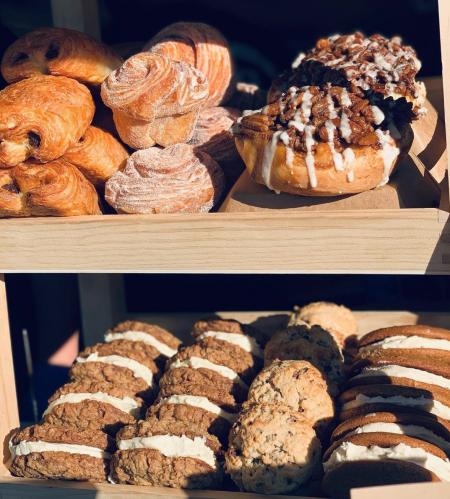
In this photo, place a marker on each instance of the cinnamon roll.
(41, 117)
(203, 47)
(98, 155)
(324, 140)
(172, 180)
(154, 100)
(59, 52)
(53, 189)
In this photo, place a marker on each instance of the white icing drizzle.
(269, 153)
(389, 152)
(349, 157)
(337, 157)
(310, 164)
(344, 127)
(345, 98)
(378, 115)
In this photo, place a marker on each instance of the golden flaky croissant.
(59, 52)
(154, 100)
(98, 155)
(41, 117)
(172, 180)
(201, 46)
(56, 189)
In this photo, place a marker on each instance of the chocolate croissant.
(201, 46)
(172, 180)
(98, 155)
(53, 189)
(59, 52)
(41, 117)
(154, 100)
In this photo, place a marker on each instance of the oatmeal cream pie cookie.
(56, 452)
(166, 453)
(272, 450)
(298, 384)
(311, 343)
(93, 405)
(371, 459)
(122, 362)
(161, 343)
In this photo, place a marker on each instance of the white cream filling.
(243, 341)
(24, 448)
(410, 430)
(138, 369)
(173, 446)
(125, 404)
(202, 403)
(349, 452)
(426, 404)
(143, 338)
(405, 372)
(408, 342)
(199, 363)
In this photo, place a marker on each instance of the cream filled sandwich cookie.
(166, 453)
(61, 453)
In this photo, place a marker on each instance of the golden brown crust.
(98, 155)
(158, 332)
(154, 100)
(59, 52)
(41, 117)
(201, 46)
(53, 189)
(415, 330)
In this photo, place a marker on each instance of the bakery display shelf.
(179, 323)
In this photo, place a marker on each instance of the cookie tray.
(267, 322)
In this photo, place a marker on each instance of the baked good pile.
(312, 410)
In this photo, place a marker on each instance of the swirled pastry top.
(59, 52)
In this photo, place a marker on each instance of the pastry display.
(59, 52)
(90, 405)
(166, 453)
(204, 48)
(155, 100)
(51, 189)
(98, 155)
(54, 452)
(173, 180)
(272, 450)
(41, 117)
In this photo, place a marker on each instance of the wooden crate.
(180, 324)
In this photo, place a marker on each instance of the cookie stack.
(180, 442)
(110, 383)
(395, 412)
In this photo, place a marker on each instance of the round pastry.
(311, 343)
(172, 180)
(154, 100)
(371, 459)
(272, 450)
(401, 397)
(127, 364)
(336, 319)
(434, 430)
(375, 63)
(59, 52)
(98, 155)
(203, 47)
(41, 117)
(298, 384)
(55, 189)
(166, 453)
(47, 451)
(161, 344)
(91, 405)
(324, 140)
(197, 410)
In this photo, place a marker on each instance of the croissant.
(59, 52)
(53, 189)
(172, 180)
(41, 117)
(154, 100)
(98, 155)
(201, 46)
